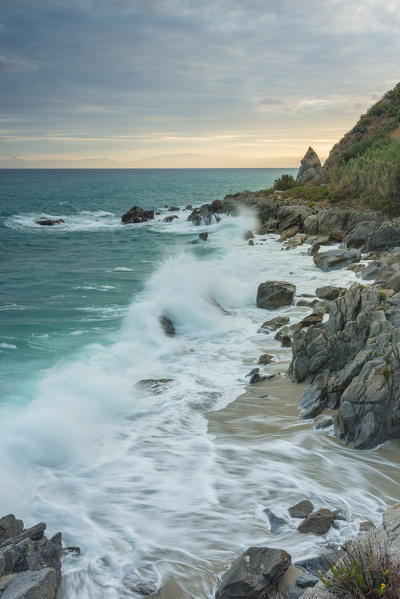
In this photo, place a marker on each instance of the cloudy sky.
(248, 82)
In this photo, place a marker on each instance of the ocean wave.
(83, 221)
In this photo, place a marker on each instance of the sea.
(157, 499)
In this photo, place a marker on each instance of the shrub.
(309, 193)
(366, 571)
(284, 182)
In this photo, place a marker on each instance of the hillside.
(363, 168)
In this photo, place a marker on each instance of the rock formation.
(310, 167)
(137, 215)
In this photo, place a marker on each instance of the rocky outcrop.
(30, 564)
(275, 294)
(336, 258)
(254, 574)
(206, 214)
(137, 215)
(352, 364)
(310, 167)
(317, 523)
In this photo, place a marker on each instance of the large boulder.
(336, 258)
(329, 292)
(206, 214)
(49, 222)
(254, 574)
(317, 523)
(387, 236)
(310, 167)
(41, 584)
(275, 294)
(137, 215)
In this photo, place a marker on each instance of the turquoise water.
(65, 286)
(140, 477)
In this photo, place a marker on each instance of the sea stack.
(310, 167)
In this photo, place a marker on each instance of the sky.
(188, 82)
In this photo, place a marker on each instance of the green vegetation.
(365, 571)
(284, 182)
(308, 193)
(387, 373)
(368, 169)
(382, 296)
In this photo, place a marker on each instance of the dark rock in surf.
(168, 326)
(173, 209)
(169, 219)
(265, 359)
(275, 522)
(49, 222)
(137, 215)
(302, 509)
(274, 324)
(206, 213)
(275, 294)
(203, 236)
(256, 377)
(254, 574)
(317, 523)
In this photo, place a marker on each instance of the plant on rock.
(284, 182)
(366, 571)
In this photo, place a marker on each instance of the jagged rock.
(274, 294)
(203, 236)
(317, 523)
(173, 209)
(49, 222)
(169, 219)
(137, 215)
(374, 269)
(265, 359)
(254, 574)
(310, 167)
(206, 213)
(312, 319)
(307, 580)
(168, 326)
(358, 236)
(41, 584)
(10, 527)
(274, 324)
(302, 509)
(329, 292)
(336, 258)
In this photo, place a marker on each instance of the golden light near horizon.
(157, 83)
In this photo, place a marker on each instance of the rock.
(274, 294)
(274, 324)
(206, 213)
(35, 533)
(137, 215)
(76, 550)
(367, 525)
(168, 326)
(49, 222)
(317, 523)
(374, 269)
(250, 242)
(292, 591)
(248, 235)
(339, 515)
(153, 384)
(310, 167)
(189, 207)
(358, 236)
(301, 509)
(356, 267)
(169, 219)
(41, 584)
(288, 233)
(275, 522)
(321, 563)
(312, 319)
(203, 236)
(387, 236)
(254, 574)
(307, 580)
(315, 249)
(10, 527)
(256, 377)
(173, 209)
(265, 359)
(144, 588)
(323, 421)
(336, 258)
(329, 292)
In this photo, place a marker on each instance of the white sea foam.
(131, 473)
(8, 346)
(82, 221)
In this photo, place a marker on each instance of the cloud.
(15, 63)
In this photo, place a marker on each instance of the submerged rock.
(49, 222)
(310, 167)
(256, 377)
(168, 326)
(137, 215)
(254, 574)
(274, 294)
(265, 359)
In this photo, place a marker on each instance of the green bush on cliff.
(284, 182)
(372, 176)
(309, 193)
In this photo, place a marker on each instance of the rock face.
(274, 294)
(336, 258)
(206, 214)
(254, 574)
(30, 564)
(137, 215)
(310, 167)
(352, 364)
